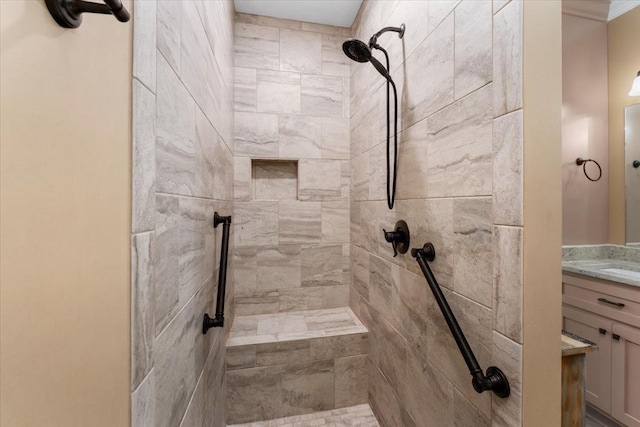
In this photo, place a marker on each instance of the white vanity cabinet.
(608, 314)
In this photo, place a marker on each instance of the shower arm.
(373, 41)
(494, 380)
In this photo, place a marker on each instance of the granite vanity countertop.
(573, 344)
(602, 261)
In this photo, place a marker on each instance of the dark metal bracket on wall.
(494, 380)
(68, 13)
(218, 320)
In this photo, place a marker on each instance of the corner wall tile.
(507, 169)
(508, 356)
(144, 158)
(144, 43)
(507, 281)
(507, 59)
(142, 403)
(142, 315)
(166, 261)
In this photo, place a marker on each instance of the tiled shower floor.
(360, 415)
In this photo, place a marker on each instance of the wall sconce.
(635, 89)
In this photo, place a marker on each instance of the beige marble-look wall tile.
(334, 61)
(314, 298)
(465, 414)
(144, 158)
(508, 356)
(507, 169)
(257, 302)
(434, 57)
(245, 90)
(473, 249)
(339, 346)
(360, 177)
(320, 28)
(383, 399)
(299, 137)
(425, 392)
(507, 59)
(320, 179)
(194, 414)
(308, 387)
(175, 127)
(215, 385)
(282, 353)
(142, 314)
(256, 223)
(169, 29)
(240, 357)
(499, 4)
(321, 265)
(197, 247)
(322, 96)
(335, 138)
(432, 221)
(507, 281)
(460, 147)
(278, 92)
(360, 271)
(412, 162)
(166, 261)
(414, 15)
(254, 394)
(299, 222)
(212, 165)
(474, 50)
(245, 269)
(442, 351)
(351, 381)
(178, 357)
(144, 43)
(256, 46)
(242, 179)
(279, 23)
(335, 222)
(142, 403)
(300, 51)
(278, 267)
(256, 134)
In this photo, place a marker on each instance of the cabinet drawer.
(617, 304)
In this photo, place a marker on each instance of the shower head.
(356, 50)
(360, 52)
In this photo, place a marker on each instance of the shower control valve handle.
(399, 238)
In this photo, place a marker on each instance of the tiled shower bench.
(286, 364)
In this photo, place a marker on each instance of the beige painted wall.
(585, 211)
(65, 219)
(541, 386)
(624, 63)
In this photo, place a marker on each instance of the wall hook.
(68, 13)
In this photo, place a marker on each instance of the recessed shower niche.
(274, 179)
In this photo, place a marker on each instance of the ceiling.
(620, 7)
(330, 12)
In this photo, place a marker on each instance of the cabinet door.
(598, 362)
(625, 378)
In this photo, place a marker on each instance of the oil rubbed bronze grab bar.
(68, 13)
(494, 379)
(218, 320)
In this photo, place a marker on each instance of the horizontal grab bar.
(494, 380)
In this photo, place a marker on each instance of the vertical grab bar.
(494, 380)
(218, 320)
